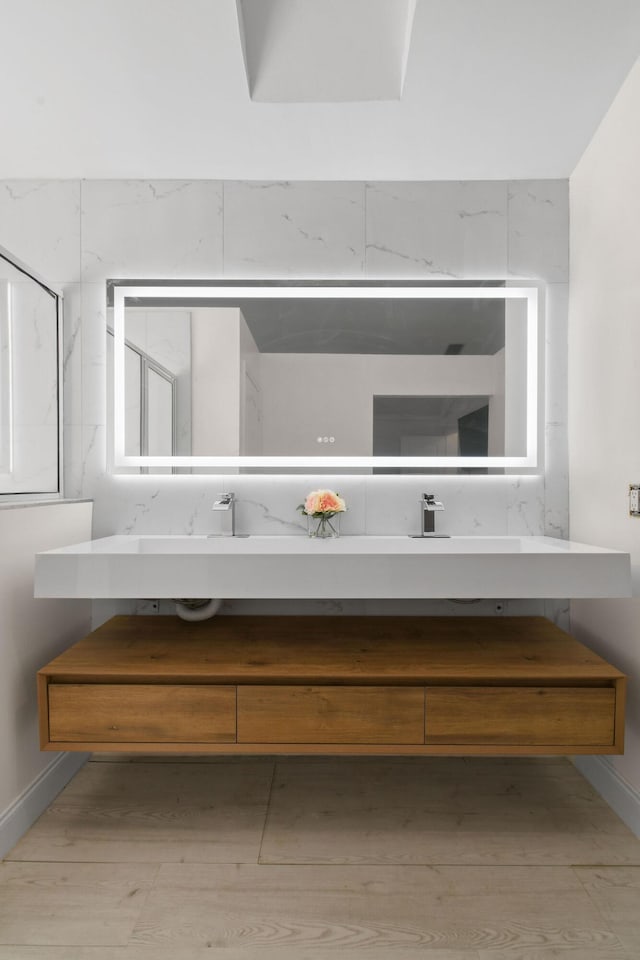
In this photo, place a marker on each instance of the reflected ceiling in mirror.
(317, 376)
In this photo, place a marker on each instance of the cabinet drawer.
(325, 714)
(526, 715)
(154, 713)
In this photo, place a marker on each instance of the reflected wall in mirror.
(30, 409)
(377, 378)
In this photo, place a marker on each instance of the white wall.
(215, 373)
(332, 395)
(604, 386)
(226, 384)
(33, 632)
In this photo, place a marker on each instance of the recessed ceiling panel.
(325, 51)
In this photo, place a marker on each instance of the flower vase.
(324, 526)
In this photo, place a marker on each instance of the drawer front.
(325, 714)
(154, 713)
(520, 715)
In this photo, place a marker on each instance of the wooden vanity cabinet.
(332, 685)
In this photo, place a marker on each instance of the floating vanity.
(305, 685)
(405, 685)
(351, 567)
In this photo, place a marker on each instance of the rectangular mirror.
(380, 378)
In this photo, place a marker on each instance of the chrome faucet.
(226, 503)
(429, 506)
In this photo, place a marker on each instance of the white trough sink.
(359, 567)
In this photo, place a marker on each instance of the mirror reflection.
(29, 394)
(282, 377)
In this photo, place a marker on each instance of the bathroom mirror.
(381, 378)
(30, 399)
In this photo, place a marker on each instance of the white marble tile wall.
(437, 229)
(556, 411)
(538, 215)
(72, 359)
(151, 229)
(40, 224)
(89, 231)
(289, 229)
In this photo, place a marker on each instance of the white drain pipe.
(197, 609)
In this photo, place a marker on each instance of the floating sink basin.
(359, 567)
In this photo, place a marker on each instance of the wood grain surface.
(525, 715)
(149, 712)
(465, 859)
(374, 650)
(295, 714)
(332, 684)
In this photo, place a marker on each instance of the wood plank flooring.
(179, 858)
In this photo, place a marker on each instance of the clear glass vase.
(324, 527)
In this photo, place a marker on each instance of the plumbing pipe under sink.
(197, 609)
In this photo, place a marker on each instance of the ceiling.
(402, 327)
(372, 326)
(493, 89)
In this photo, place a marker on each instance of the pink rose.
(324, 501)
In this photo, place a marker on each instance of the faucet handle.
(224, 501)
(428, 506)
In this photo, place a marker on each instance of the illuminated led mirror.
(376, 378)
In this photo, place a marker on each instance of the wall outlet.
(634, 499)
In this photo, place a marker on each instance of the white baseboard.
(619, 794)
(23, 812)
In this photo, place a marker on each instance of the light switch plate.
(634, 499)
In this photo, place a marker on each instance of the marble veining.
(303, 230)
(538, 230)
(448, 229)
(558, 612)
(40, 224)
(72, 327)
(276, 523)
(94, 355)
(92, 465)
(526, 506)
(431, 266)
(151, 229)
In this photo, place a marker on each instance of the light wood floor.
(311, 859)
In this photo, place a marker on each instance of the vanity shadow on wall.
(354, 377)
